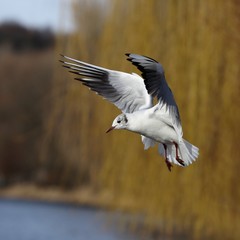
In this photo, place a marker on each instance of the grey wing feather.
(126, 91)
(155, 82)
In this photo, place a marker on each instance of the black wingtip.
(82, 81)
(68, 67)
(129, 58)
(62, 55)
(74, 72)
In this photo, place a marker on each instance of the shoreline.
(79, 196)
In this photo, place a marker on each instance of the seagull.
(133, 95)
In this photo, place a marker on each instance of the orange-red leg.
(177, 156)
(169, 165)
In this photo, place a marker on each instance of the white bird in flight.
(133, 95)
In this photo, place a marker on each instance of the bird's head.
(120, 122)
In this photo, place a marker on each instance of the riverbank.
(80, 196)
(122, 218)
(85, 197)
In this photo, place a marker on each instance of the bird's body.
(133, 95)
(151, 123)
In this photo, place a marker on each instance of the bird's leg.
(169, 165)
(177, 156)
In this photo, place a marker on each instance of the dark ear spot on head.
(125, 118)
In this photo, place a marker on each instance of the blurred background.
(53, 144)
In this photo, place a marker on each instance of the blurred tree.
(19, 38)
(24, 88)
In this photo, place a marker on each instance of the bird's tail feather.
(187, 152)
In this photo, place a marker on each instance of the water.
(29, 220)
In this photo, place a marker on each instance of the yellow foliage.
(198, 44)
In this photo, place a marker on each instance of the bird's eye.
(118, 121)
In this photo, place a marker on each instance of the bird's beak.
(110, 129)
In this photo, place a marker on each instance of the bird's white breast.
(152, 125)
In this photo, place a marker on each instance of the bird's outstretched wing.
(126, 91)
(155, 82)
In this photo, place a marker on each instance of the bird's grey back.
(155, 81)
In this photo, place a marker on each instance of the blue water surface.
(30, 220)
